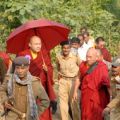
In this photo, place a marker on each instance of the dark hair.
(83, 28)
(98, 39)
(86, 33)
(75, 40)
(80, 35)
(67, 42)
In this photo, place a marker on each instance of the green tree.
(100, 16)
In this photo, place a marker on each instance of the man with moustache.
(23, 91)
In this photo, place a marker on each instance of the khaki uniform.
(20, 98)
(68, 71)
(114, 105)
(1, 111)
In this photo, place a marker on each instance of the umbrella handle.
(42, 57)
(35, 31)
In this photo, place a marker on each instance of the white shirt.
(91, 43)
(74, 51)
(82, 51)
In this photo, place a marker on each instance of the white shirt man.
(82, 51)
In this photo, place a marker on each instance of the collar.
(34, 55)
(69, 56)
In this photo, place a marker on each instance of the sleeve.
(114, 103)
(44, 100)
(79, 61)
(108, 56)
(50, 67)
(3, 89)
(49, 75)
(57, 64)
(105, 76)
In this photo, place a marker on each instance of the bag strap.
(91, 69)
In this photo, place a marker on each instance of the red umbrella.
(50, 32)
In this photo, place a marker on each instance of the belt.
(70, 78)
(117, 86)
(66, 77)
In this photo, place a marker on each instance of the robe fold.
(6, 58)
(106, 54)
(36, 69)
(94, 92)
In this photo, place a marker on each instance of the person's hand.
(53, 105)
(59, 76)
(75, 96)
(7, 105)
(106, 111)
(45, 67)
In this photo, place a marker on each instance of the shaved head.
(91, 56)
(99, 54)
(33, 38)
(35, 44)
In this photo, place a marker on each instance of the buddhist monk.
(40, 66)
(95, 85)
(100, 44)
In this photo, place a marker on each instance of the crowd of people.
(88, 77)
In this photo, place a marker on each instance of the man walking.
(94, 87)
(114, 106)
(23, 91)
(68, 70)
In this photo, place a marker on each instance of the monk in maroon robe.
(95, 86)
(106, 54)
(40, 66)
(100, 44)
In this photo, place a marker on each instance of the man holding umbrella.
(40, 66)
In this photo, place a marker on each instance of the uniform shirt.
(109, 65)
(21, 93)
(68, 67)
(116, 81)
(20, 97)
(115, 94)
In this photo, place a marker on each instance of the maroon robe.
(36, 69)
(106, 54)
(94, 93)
(6, 58)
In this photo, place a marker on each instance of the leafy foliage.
(102, 17)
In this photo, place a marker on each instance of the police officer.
(114, 106)
(68, 70)
(25, 90)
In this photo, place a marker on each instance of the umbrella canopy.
(51, 34)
